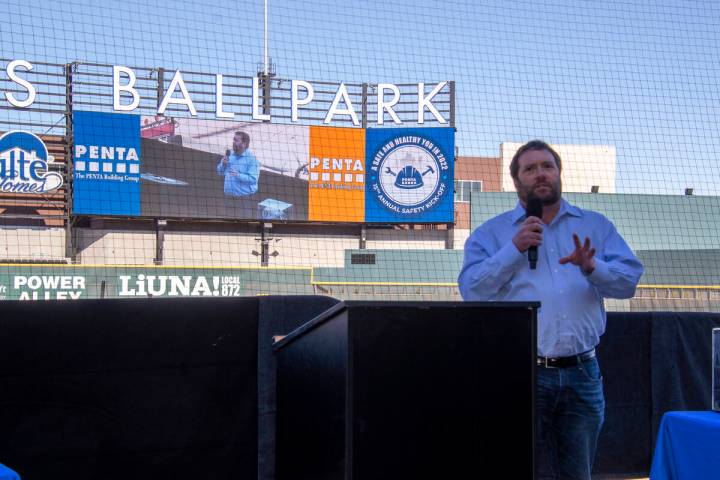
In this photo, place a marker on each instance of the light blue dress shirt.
(248, 171)
(571, 318)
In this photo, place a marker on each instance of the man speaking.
(239, 167)
(581, 259)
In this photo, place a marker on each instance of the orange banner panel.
(337, 174)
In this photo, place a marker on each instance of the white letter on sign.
(117, 88)
(424, 102)
(218, 99)
(256, 115)
(295, 101)
(342, 94)
(176, 82)
(382, 105)
(22, 82)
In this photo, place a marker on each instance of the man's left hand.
(582, 256)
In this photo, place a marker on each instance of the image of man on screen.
(240, 168)
(580, 260)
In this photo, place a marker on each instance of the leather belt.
(565, 362)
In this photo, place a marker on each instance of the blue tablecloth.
(688, 447)
(7, 474)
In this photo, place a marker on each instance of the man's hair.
(244, 135)
(531, 146)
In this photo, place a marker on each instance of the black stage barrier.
(380, 390)
(652, 363)
(681, 358)
(625, 443)
(129, 389)
(278, 316)
(157, 388)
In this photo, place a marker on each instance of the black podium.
(399, 390)
(130, 389)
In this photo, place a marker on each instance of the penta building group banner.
(129, 165)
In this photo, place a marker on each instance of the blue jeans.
(570, 410)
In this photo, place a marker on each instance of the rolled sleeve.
(617, 272)
(601, 274)
(485, 272)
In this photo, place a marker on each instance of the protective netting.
(171, 157)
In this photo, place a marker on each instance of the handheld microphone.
(227, 153)
(534, 209)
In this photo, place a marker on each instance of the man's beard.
(550, 198)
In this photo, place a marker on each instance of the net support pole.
(160, 225)
(69, 218)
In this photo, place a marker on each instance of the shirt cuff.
(601, 273)
(509, 255)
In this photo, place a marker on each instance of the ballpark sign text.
(126, 97)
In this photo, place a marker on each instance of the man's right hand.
(529, 234)
(224, 160)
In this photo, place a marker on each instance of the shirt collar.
(518, 214)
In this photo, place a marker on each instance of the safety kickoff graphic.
(410, 175)
(131, 165)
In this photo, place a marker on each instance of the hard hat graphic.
(408, 178)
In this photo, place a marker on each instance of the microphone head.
(534, 207)
(227, 152)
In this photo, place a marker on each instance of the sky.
(642, 76)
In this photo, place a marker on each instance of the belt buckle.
(546, 362)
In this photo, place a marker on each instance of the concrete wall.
(22, 243)
(311, 250)
(215, 249)
(406, 239)
(113, 247)
(460, 235)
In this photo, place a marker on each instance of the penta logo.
(411, 175)
(24, 164)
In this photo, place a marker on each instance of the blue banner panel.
(106, 163)
(410, 175)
